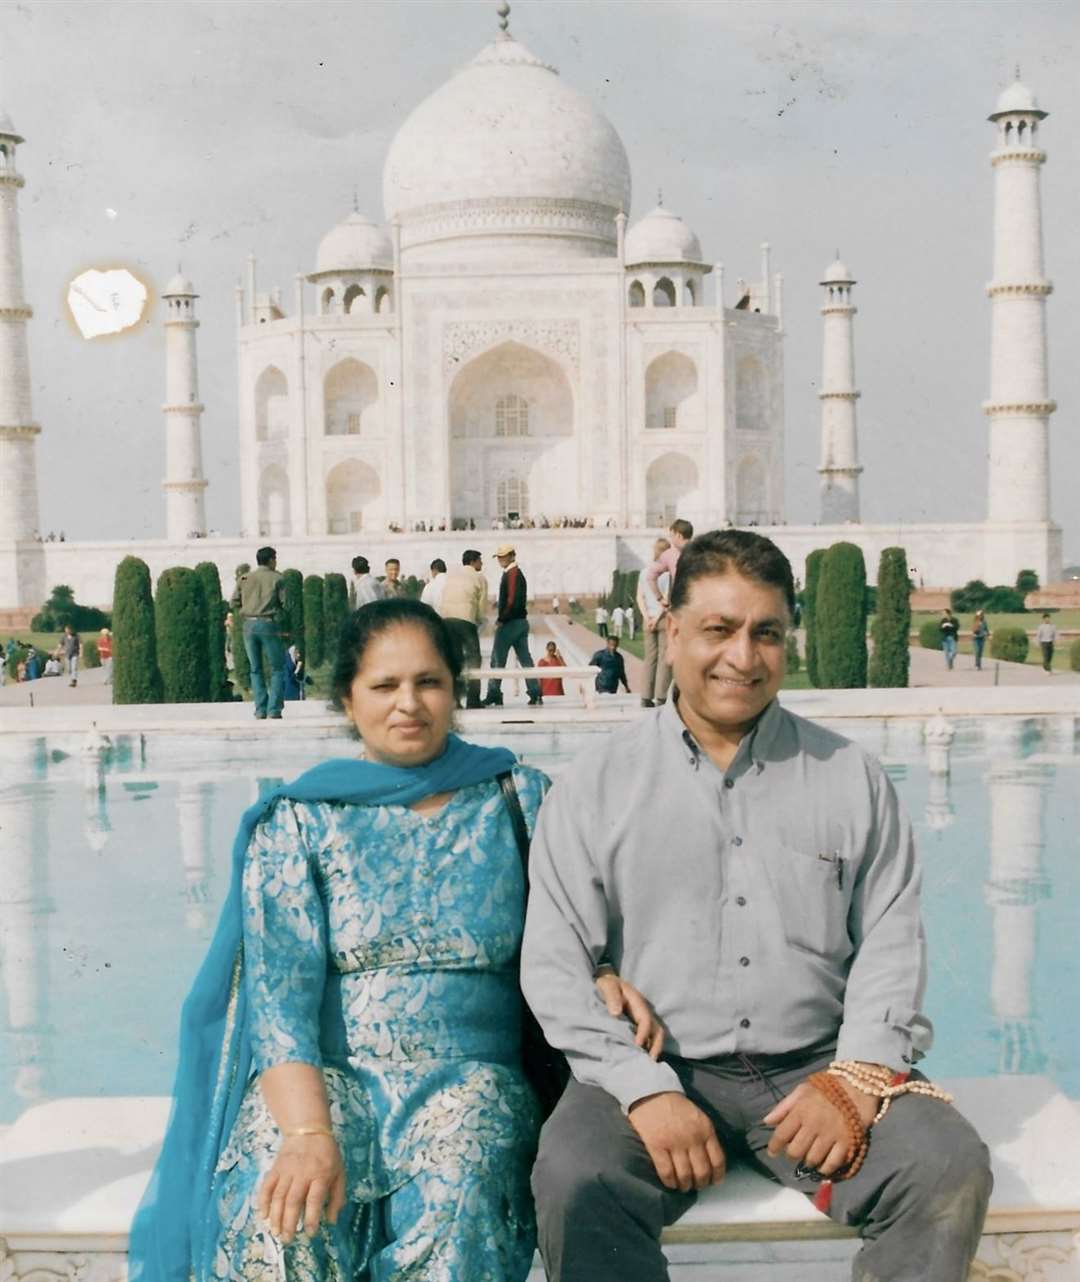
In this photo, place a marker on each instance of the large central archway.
(671, 489)
(352, 491)
(511, 414)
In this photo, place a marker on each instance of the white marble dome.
(1016, 97)
(837, 273)
(179, 284)
(508, 132)
(661, 237)
(357, 244)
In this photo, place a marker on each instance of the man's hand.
(810, 1129)
(307, 1175)
(680, 1139)
(622, 998)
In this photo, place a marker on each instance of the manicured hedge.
(241, 667)
(220, 691)
(1010, 644)
(335, 611)
(1074, 655)
(180, 612)
(890, 662)
(314, 646)
(976, 595)
(623, 591)
(813, 575)
(136, 677)
(292, 625)
(791, 653)
(840, 618)
(930, 634)
(90, 657)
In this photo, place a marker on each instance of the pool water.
(113, 865)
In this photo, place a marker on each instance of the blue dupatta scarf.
(175, 1231)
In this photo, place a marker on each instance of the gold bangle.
(308, 1130)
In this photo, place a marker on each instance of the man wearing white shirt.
(616, 627)
(365, 587)
(433, 588)
(601, 619)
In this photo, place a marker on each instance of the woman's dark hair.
(723, 551)
(365, 624)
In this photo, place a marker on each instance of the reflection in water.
(25, 906)
(939, 735)
(1014, 886)
(193, 801)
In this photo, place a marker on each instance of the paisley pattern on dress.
(382, 946)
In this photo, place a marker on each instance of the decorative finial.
(660, 197)
(837, 255)
(355, 201)
(503, 10)
(1018, 71)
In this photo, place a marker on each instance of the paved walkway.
(928, 669)
(48, 692)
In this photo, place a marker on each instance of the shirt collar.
(754, 746)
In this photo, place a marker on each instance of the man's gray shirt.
(765, 908)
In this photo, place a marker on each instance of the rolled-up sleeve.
(565, 940)
(883, 1022)
(284, 943)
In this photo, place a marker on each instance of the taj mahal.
(509, 349)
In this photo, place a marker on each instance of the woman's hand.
(307, 1176)
(622, 998)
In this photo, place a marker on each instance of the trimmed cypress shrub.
(813, 574)
(219, 690)
(840, 618)
(241, 667)
(930, 634)
(292, 624)
(890, 662)
(335, 611)
(136, 678)
(791, 653)
(1010, 644)
(1074, 655)
(182, 633)
(90, 657)
(314, 646)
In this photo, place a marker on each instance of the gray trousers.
(919, 1199)
(657, 677)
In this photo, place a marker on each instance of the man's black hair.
(438, 565)
(265, 555)
(470, 556)
(723, 551)
(360, 565)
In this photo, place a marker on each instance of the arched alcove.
(274, 516)
(271, 405)
(689, 294)
(353, 293)
(326, 301)
(671, 485)
(511, 414)
(636, 294)
(511, 498)
(663, 294)
(350, 395)
(751, 492)
(352, 488)
(384, 301)
(751, 395)
(671, 393)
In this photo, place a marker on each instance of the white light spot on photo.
(106, 302)
(111, 214)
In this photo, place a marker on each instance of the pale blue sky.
(213, 129)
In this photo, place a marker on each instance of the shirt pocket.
(812, 893)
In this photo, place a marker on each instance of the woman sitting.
(351, 1052)
(550, 686)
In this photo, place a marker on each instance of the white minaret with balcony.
(839, 470)
(18, 432)
(185, 508)
(1019, 407)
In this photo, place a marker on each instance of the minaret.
(18, 431)
(839, 468)
(1019, 407)
(185, 509)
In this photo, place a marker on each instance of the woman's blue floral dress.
(383, 946)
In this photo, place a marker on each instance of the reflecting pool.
(114, 860)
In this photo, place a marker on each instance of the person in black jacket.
(511, 628)
(612, 668)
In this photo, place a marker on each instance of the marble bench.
(72, 1172)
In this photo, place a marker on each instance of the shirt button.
(736, 841)
(744, 1023)
(744, 961)
(729, 783)
(741, 901)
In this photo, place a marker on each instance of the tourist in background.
(259, 601)
(629, 622)
(53, 666)
(392, 585)
(656, 674)
(511, 628)
(292, 674)
(680, 533)
(950, 629)
(364, 586)
(105, 651)
(433, 588)
(32, 665)
(552, 659)
(615, 624)
(980, 633)
(1046, 635)
(601, 618)
(372, 1083)
(463, 606)
(71, 647)
(612, 668)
